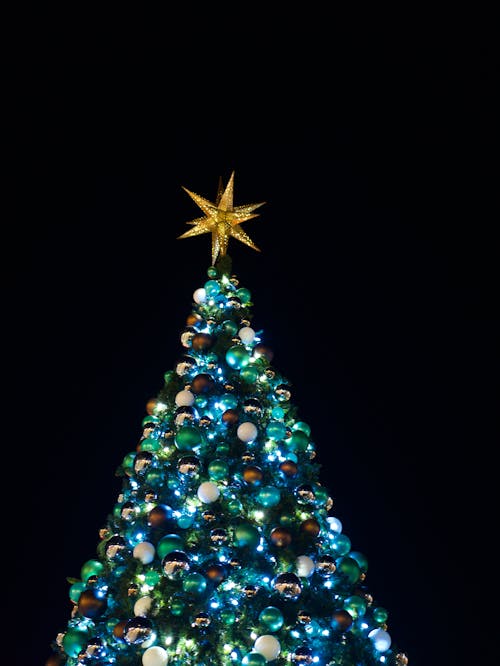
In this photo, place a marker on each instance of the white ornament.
(335, 524)
(247, 432)
(305, 566)
(208, 492)
(145, 552)
(142, 606)
(246, 335)
(184, 399)
(155, 656)
(200, 295)
(381, 639)
(268, 646)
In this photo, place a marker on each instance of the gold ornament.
(222, 219)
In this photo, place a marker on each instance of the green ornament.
(254, 659)
(277, 413)
(150, 420)
(235, 507)
(177, 607)
(149, 444)
(91, 568)
(321, 495)
(272, 618)
(185, 521)
(218, 469)
(167, 544)
(212, 272)
(355, 606)
(227, 401)
(360, 559)
(194, 584)
(75, 590)
(168, 376)
(300, 425)
(237, 357)
(276, 430)
(348, 569)
(228, 617)
(74, 641)
(230, 327)
(341, 544)
(152, 578)
(268, 496)
(212, 288)
(249, 374)
(380, 615)
(244, 295)
(222, 449)
(247, 535)
(154, 478)
(298, 441)
(187, 438)
(128, 461)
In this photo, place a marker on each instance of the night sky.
(374, 288)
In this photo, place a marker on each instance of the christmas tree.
(221, 548)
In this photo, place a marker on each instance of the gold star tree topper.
(222, 219)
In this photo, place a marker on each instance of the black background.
(374, 287)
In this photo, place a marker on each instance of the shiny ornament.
(75, 591)
(380, 615)
(281, 537)
(167, 544)
(253, 475)
(348, 569)
(361, 559)
(325, 565)
(216, 573)
(187, 335)
(381, 639)
(218, 469)
(230, 417)
(305, 494)
(193, 319)
(119, 629)
(150, 496)
(155, 656)
(289, 468)
(159, 515)
(205, 421)
(246, 535)
(252, 406)
(212, 288)
(91, 604)
(230, 327)
(202, 621)
(218, 536)
(355, 606)
(145, 552)
(335, 524)
(302, 655)
(187, 437)
(194, 584)
(247, 432)
(263, 351)
(202, 383)
(234, 563)
(268, 496)
(401, 659)
(142, 461)
(297, 441)
(74, 641)
(250, 591)
(276, 430)
(151, 406)
(249, 374)
(128, 511)
(133, 590)
(341, 544)
(137, 630)
(305, 566)
(341, 620)
(268, 646)
(143, 606)
(270, 373)
(288, 585)
(95, 648)
(185, 415)
(189, 465)
(175, 563)
(248, 457)
(283, 392)
(237, 357)
(234, 302)
(246, 335)
(115, 547)
(208, 492)
(271, 618)
(185, 365)
(202, 342)
(209, 516)
(304, 617)
(254, 659)
(310, 527)
(91, 568)
(199, 296)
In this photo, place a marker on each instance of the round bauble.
(167, 544)
(252, 406)
(268, 496)
(187, 437)
(202, 383)
(250, 591)
(189, 465)
(348, 569)
(246, 535)
(218, 469)
(202, 342)
(288, 585)
(137, 630)
(246, 335)
(208, 492)
(145, 552)
(237, 357)
(253, 475)
(143, 606)
(119, 629)
(381, 639)
(201, 620)
(268, 646)
(281, 537)
(289, 468)
(216, 573)
(74, 641)
(271, 618)
(175, 563)
(305, 566)
(218, 536)
(155, 655)
(194, 584)
(187, 335)
(325, 565)
(401, 659)
(199, 295)
(209, 516)
(247, 432)
(159, 515)
(303, 616)
(185, 415)
(303, 655)
(143, 461)
(230, 417)
(91, 604)
(185, 365)
(254, 659)
(341, 621)
(283, 392)
(263, 351)
(115, 547)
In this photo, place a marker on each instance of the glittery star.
(222, 219)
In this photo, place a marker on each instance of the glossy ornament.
(263, 351)
(189, 465)
(305, 566)
(281, 537)
(159, 516)
(268, 496)
(115, 547)
(91, 604)
(215, 573)
(310, 527)
(143, 461)
(341, 544)
(185, 365)
(91, 568)
(325, 565)
(247, 432)
(187, 438)
(185, 415)
(144, 551)
(143, 606)
(289, 468)
(247, 335)
(246, 535)
(381, 639)
(202, 620)
(155, 656)
(271, 618)
(252, 406)
(355, 606)
(200, 295)
(302, 655)
(208, 492)
(268, 646)
(253, 475)
(230, 417)
(137, 630)
(74, 642)
(348, 569)
(218, 470)
(75, 591)
(288, 585)
(194, 584)
(202, 383)
(237, 357)
(202, 342)
(175, 563)
(254, 659)
(218, 536)
(305, 494)
(167, 544)
(341, 620)
(283, 392)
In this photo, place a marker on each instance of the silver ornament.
(202, 620)
(303, 655)
(185, 415)
(128, 510)
(150, 495)
(95, 648)
(234, 302)
(305, 494)
(137, 630)
(288, 585)
(325, 565)
(185, 365)
(250, 591)
(205, 421)
(115, 546)
(247, 457)
(283, 392)
(402, 659)
(218, 536)
(304, 617)
(209, 516)
(175, 563)
(187, 335)
(252, 406)
(142, 461)
(189, 465)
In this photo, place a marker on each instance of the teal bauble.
(249, 374)
(380, 615)
(167, 544)
(277, 413)
(212, 272)
(247, 535)
(194, 584)
(298, 441)
(276, 430)
(341, 544)
(348, 569)
(235, 507)
(91, 568)
(300, 425)
(244, 295)
(153, 420)
(360, 559)
(187, 437)
(185, 520)
(128, 460)
(75, 590)
(149, 444)
(268, 496)
(355, 606)
(227, 401)
(230, 327)
(237, 357)
(212, 288)
(154, 478)
(271, 618)
(152, 578)
(321, 495)
(218, 470)
(254, 659)
(74, 641)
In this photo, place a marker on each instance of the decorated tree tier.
(221, 548)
